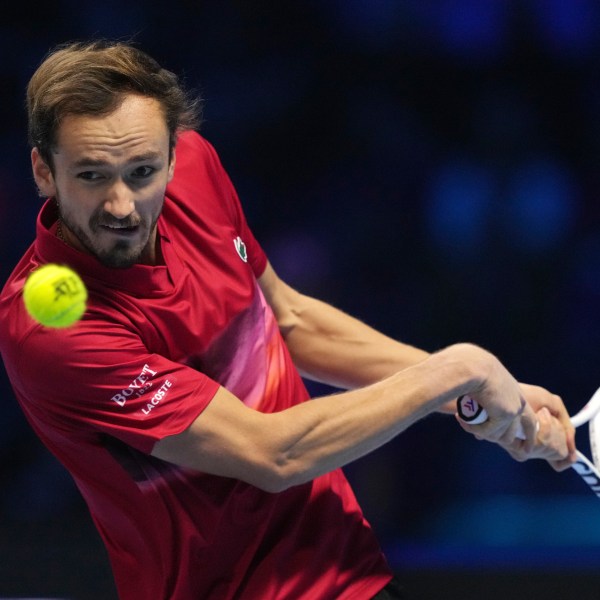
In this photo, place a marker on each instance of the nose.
(119, 200)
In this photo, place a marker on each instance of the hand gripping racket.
(470, 412)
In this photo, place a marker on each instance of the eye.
(89, 176)
(143, 172)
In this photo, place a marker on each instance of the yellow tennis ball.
(55, 296)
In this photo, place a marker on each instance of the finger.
(513, 435)
(562, 465)
(557, 408)
(529, 425)
(545, 425)
(516, 453)
(572, 447)
(482, 431)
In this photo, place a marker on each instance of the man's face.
(110, 175)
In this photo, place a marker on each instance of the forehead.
(138, 123)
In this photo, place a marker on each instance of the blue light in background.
(475, 30)
(541, 206)
(458, 209)
(505, 520)
(567, 28)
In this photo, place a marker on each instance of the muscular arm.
(276, 451)
(396, 386)
(330, 346)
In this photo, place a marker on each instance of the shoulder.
(192, 147)
(198, 170)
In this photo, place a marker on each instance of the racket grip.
(470, 412)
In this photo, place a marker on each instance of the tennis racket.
(470, 412)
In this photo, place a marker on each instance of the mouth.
(120, 230)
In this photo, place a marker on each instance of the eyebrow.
(99, 162)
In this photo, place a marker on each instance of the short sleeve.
(256, 256)
(93, 381)
(199, 162)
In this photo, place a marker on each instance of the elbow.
(274, 485)
(281, 475)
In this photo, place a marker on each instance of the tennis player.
(177, 403)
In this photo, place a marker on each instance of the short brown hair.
(92, 78)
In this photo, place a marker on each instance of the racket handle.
(470, 412)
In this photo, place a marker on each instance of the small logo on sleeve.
(241, 248)
(141, 385)
(159, 395)
(138, 386)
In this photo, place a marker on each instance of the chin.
(118, 262)
(120, 258)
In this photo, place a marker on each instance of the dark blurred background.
(430, 166)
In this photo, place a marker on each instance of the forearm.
(332, 431)
(278, 450)
(330, 346)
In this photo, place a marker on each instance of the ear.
(171, 166)
(42, 174)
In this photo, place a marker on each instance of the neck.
(64, 234)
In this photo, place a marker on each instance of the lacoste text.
(160, 394)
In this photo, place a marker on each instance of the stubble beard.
(122, 255)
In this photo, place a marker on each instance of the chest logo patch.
(241, 248)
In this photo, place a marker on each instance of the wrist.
(462, 369)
